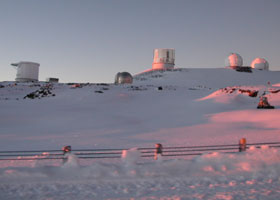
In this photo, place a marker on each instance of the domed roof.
(234, 60)
(260, 63)
(123, 77)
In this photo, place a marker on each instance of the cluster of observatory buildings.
(164, 59)
(234, 61)
(29, 72)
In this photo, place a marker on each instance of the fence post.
(66, 151)
(158, 151)
(242, 144)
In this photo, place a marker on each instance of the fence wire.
(146, 152)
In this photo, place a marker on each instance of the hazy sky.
(92, 40)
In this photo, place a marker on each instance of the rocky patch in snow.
(251, 93)
(45, 91)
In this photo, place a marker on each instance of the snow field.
(191, 109)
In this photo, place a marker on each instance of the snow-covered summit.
(174, 107)
(160, 106)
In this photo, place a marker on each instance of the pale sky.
(92, 40)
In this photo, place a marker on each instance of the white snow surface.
(179, 107)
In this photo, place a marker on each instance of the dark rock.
(102, 84)
(44, 91)
(253, 93)
(275, 91)
(99, 91)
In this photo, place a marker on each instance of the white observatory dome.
(234, 60)
(27, 71)
(260, 63)
(164, 59)
(123, 78)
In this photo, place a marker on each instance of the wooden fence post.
(66, 150)
(242, 144)
(158, 151)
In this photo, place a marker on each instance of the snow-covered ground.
(250, 175)
(181, 107)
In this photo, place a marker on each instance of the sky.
(92, 40)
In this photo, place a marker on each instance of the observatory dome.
(260, 63)
(163, 59)
(27, 71)
(234, 60)
(123, 78)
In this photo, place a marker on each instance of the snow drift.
(254, 173)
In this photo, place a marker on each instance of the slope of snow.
(209, 77)
(127, 116)
(180, 107)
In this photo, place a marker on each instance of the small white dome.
(260, 63)
(234, 60)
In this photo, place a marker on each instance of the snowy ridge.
(210, 77)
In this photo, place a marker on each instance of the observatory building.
(123, 78)
(27, 71)
(52, 80)
(260, 64)
(234, 60)
(164, 59)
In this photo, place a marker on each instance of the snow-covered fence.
(164, 151)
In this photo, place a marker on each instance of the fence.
(182, 151)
